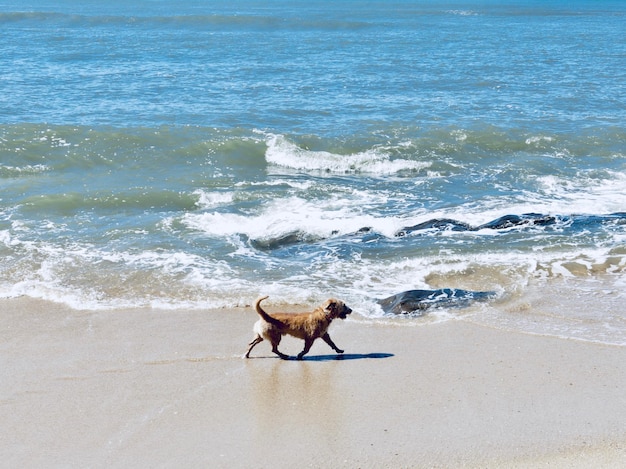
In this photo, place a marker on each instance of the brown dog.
(307, 326)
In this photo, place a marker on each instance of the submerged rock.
(419, 300)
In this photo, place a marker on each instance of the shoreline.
(169, 388)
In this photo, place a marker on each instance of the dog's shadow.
(341, 356)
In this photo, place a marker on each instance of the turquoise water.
(199, 154)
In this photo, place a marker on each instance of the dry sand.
(145, 388)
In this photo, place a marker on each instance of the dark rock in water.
(419, 300)
(542, 220)
(368, 234)
(289, 239)
(508, 221)
(437, 223)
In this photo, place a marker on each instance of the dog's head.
(336, 309)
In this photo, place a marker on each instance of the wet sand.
(170, 389)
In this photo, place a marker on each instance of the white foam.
(212, 199)
(27, 169)
(175, 280)
(582, 195)
(586, 194)
(281, 152)
(340, 215)
(6, 238)
(463, 12)
(295, 184)
(538, 139)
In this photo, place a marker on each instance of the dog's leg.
(258, 339)
(278, 352)
(330, 342)
(274, 337)
(307, 346)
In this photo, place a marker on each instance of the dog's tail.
(263, 314)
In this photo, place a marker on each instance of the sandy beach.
(146, 388)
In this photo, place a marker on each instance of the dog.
(306, 326)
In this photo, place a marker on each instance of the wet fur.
(305, 326)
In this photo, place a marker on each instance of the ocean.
(199, 154)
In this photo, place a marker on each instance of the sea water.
(198, 154)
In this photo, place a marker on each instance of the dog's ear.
(330, 306)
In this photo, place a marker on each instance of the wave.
(384, 150)
(281, 152)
